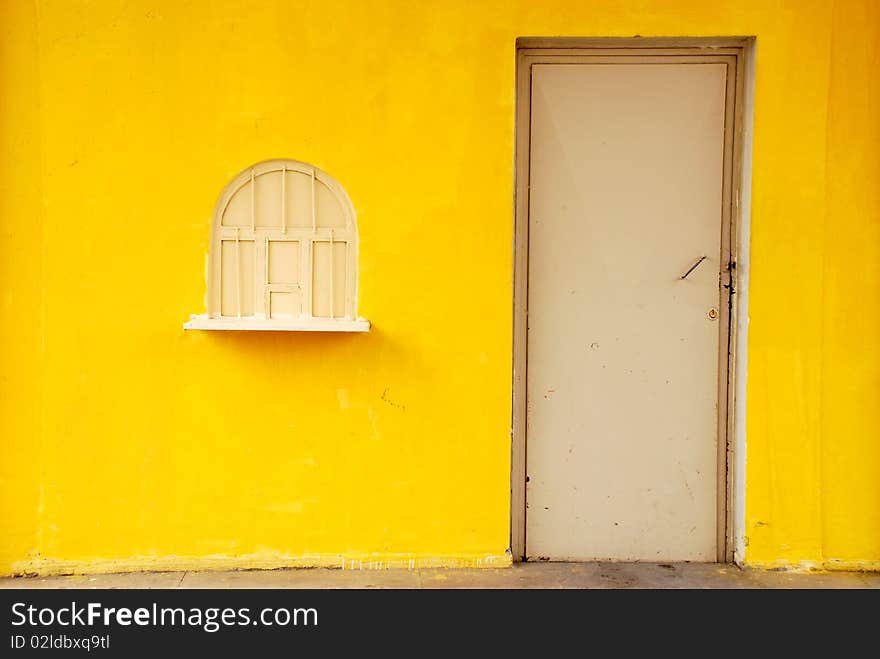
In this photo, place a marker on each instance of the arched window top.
(283, 253)
(290, 206)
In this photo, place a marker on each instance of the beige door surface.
(626, 171)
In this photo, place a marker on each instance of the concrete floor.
(523, 575)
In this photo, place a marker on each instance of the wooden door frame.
(737, 52)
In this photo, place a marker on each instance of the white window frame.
(306, 233)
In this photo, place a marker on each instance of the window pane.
(283, 262)
(237, 278)
(328, 283)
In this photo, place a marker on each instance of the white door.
(625, 310)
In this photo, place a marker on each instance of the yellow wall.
(813, 463)
(122, 120)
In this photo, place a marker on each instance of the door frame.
(738, 53)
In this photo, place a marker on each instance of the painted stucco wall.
(129, 443)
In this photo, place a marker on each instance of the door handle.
(693, 267)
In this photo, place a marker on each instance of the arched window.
(284, 253)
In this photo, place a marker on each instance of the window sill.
(279, 325)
